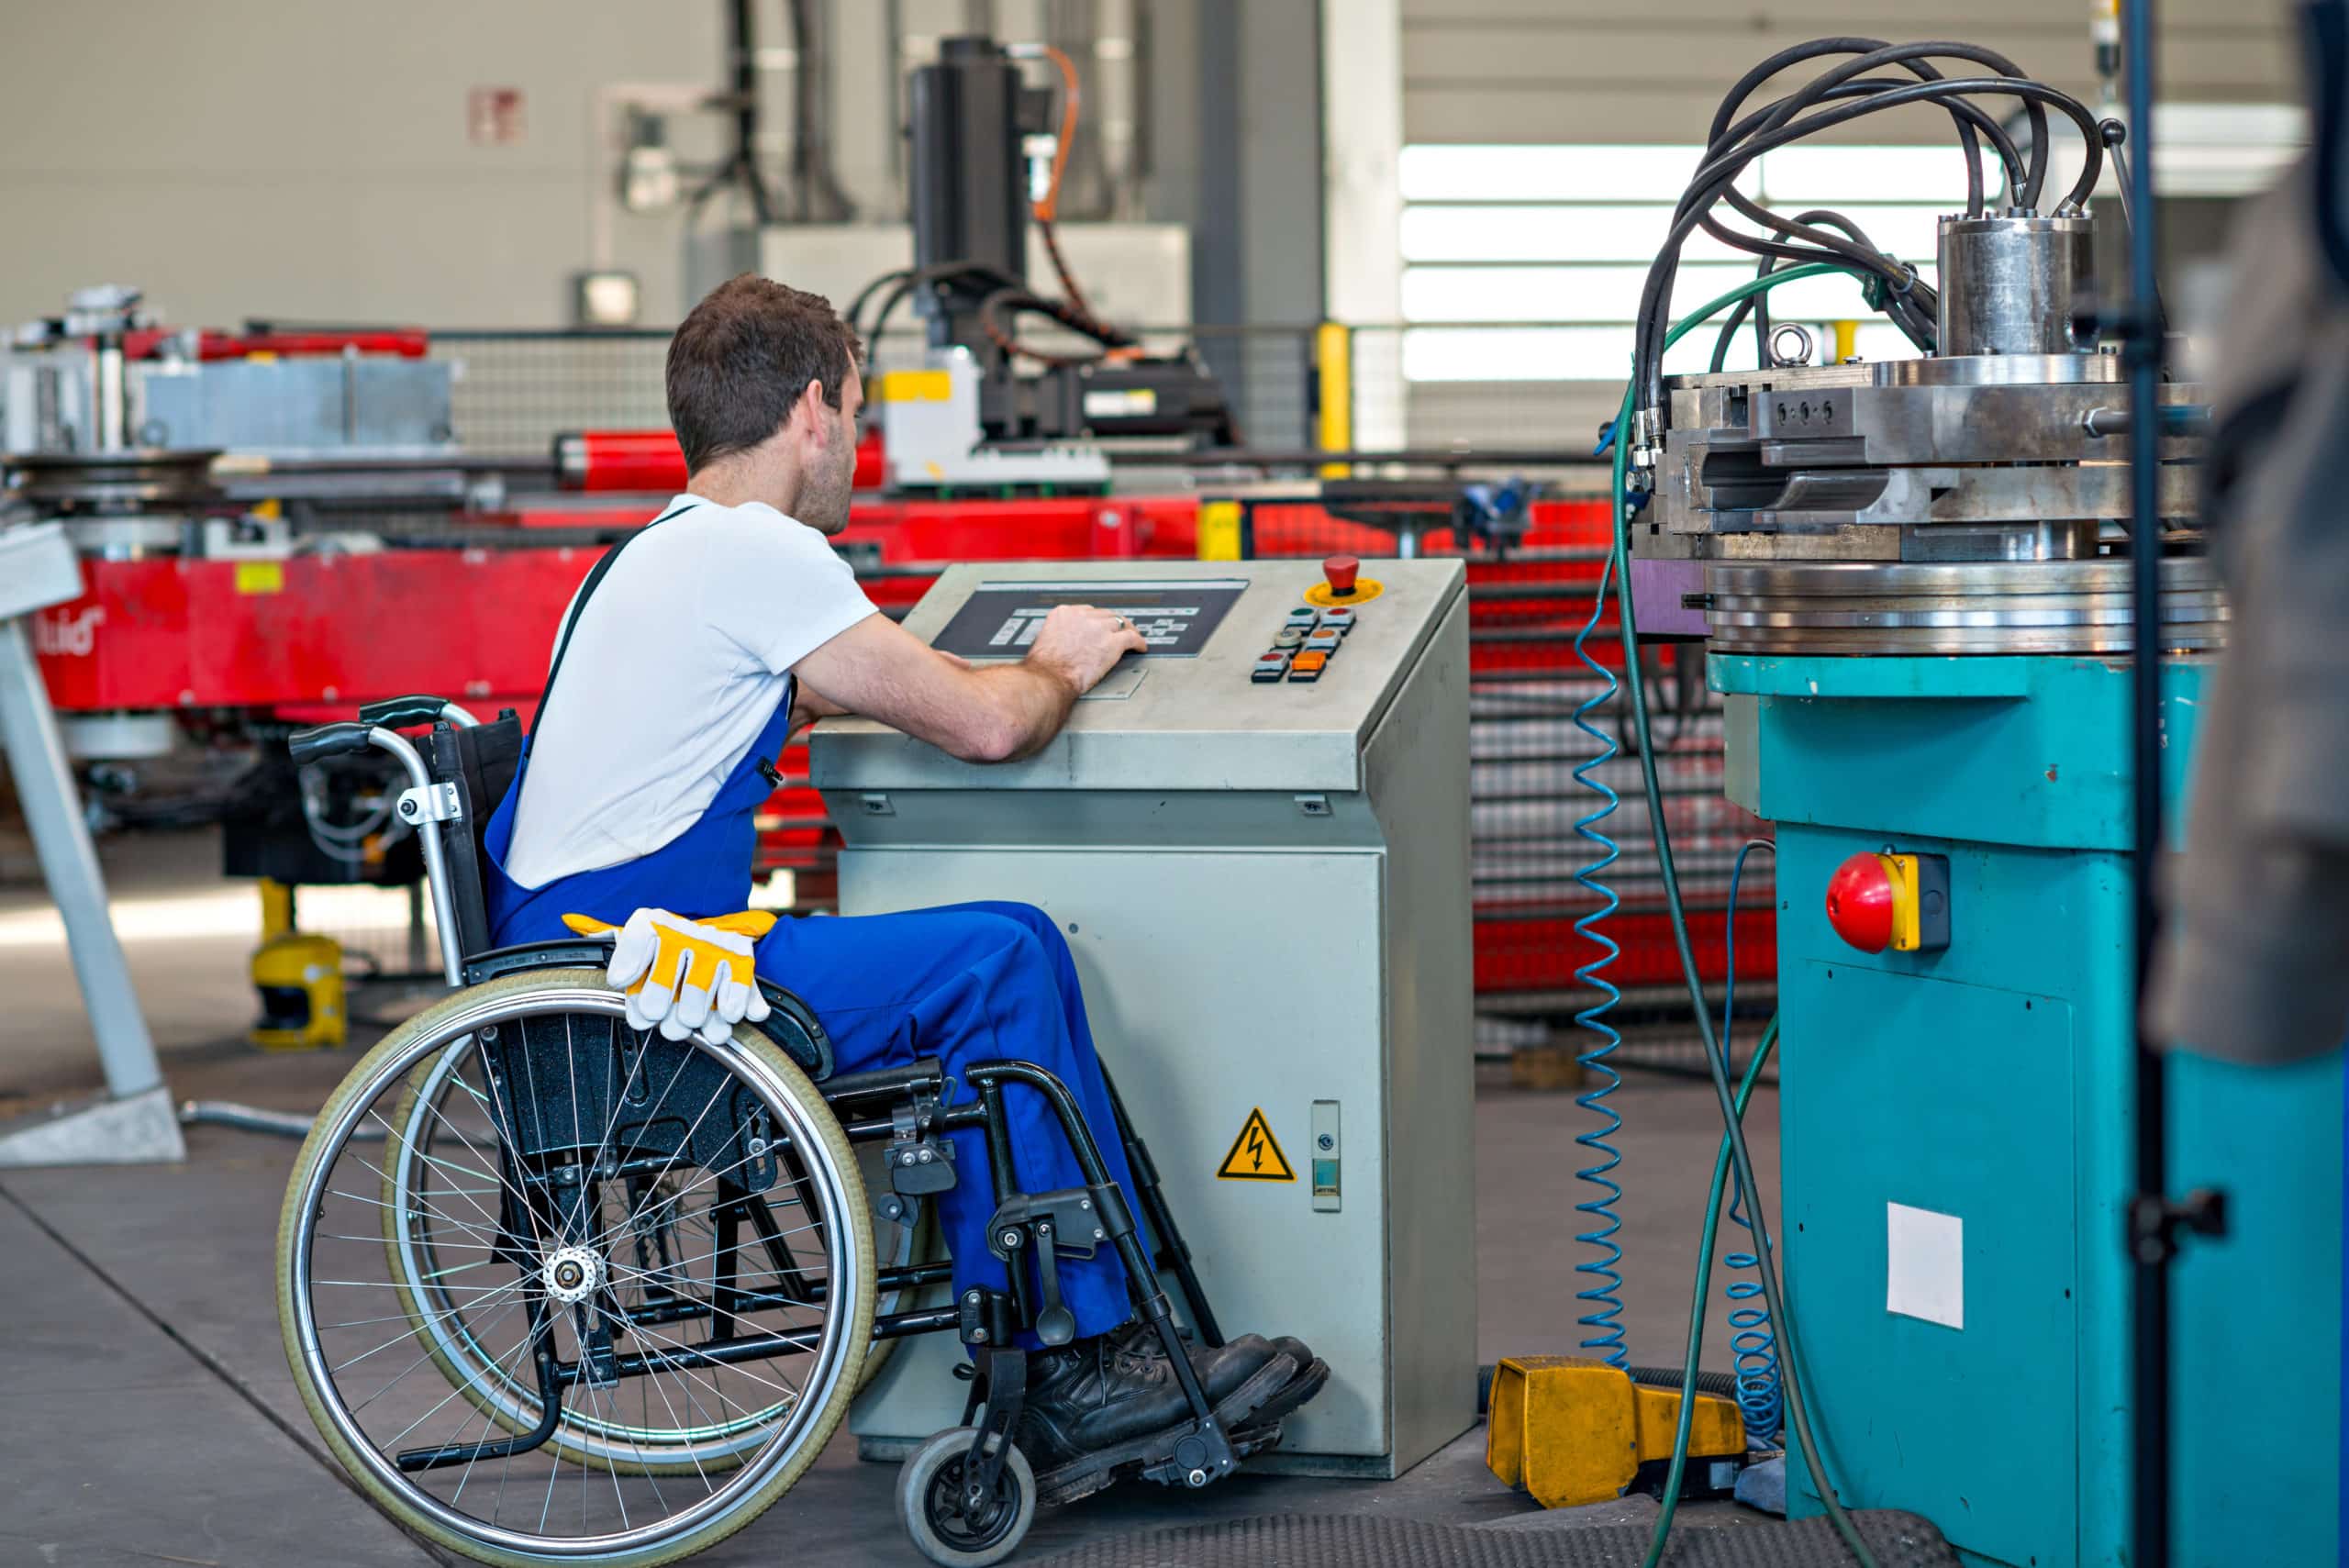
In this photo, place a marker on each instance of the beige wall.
(1655, 70)
(310, 158)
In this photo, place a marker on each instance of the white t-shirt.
(676, 664)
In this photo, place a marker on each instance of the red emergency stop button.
(1341, 571)
(1860, 897)
(1883, 900)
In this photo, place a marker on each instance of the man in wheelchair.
(691, 654)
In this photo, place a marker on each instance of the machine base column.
(135, 1122)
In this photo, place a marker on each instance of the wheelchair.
(556, 1291)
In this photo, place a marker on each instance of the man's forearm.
(808, 704)
(1033, 703)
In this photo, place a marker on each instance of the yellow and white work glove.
(687, 977)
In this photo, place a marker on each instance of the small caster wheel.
(941, 1519)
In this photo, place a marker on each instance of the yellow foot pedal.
(299, 976)
(1570, 1430)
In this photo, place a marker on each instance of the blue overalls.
(966, 982)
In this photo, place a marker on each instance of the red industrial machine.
(307, 635)
(203, 604)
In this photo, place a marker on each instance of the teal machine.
(1912, 582)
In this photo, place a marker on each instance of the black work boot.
(1094, 1395)
(1220, 1371)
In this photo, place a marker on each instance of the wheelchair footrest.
(1208, 1451)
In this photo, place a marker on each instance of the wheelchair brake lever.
(1055, 1325)
(1066, 1221)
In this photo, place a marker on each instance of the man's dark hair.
(744, 357)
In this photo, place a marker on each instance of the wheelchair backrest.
(480, 761)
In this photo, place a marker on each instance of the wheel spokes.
(412, 1222)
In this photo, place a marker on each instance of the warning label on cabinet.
(1254, 1156)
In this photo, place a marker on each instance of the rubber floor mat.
(1355, 1540)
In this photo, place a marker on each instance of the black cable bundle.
(1892, 287)
(1000, 296)
(909, 279)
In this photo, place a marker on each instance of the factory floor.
(146, 1413)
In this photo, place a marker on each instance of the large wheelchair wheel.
(556, 1291)
(425, 1165)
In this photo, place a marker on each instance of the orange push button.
(1307, 665)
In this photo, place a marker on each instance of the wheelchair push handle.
(306, 746)
(315, 745)
(419, 707)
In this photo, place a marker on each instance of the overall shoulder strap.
(579, 607)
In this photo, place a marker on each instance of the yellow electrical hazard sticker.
(261, 577)
(1254, 1156)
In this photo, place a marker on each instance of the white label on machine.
(1924, 1264)
(1107, 402)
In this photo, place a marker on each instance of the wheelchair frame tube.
(1141, 1278)
(436, 863)
(1001, 1170)
(1161, 1220)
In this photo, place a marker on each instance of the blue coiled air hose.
(1605, 1318)
(1751, 1342)
(1733, 1153)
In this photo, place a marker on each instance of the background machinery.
(1914, 582)
(207, 628)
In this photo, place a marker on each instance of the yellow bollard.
(1220, 531)
(1333, 349)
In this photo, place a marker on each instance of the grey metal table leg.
(136, 1122)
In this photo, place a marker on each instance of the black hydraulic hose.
(1727, 334)
(1772, 123)
(1006, 302)
(1758, 305)
(1901, 54)
(1726, 165)
(1720, 173)
(910, 278)
(855, 311)
(1770, 128)
(2009, 158)
(1724, 169)
(1820, 48)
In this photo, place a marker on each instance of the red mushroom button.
(1859, 903)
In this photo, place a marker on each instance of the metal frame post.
(136, 1122)
(2151, 1225)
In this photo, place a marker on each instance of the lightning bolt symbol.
(1255, 1148)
